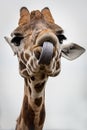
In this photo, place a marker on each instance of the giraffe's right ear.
(24, 16)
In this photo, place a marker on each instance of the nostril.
(37, 52)
(54, 50)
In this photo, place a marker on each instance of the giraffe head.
(38, 43)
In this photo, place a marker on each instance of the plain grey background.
(66, 95)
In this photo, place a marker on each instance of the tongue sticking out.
(46, 54)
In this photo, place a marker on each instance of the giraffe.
(38, 44)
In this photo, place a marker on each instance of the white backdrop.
(66, 95)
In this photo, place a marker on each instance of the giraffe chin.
(46, 53)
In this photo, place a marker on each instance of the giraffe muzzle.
(48, 42)
(46, 53)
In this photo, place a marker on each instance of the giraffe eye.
(16, 40)
(61, 37)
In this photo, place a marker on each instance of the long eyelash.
(16, 40)
(61, 37)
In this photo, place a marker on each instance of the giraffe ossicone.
(38, 44)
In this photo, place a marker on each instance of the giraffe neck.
(32, 114)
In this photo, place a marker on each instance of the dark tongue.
(46, 54)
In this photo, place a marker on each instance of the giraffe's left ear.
(47, 15)
(72, 51)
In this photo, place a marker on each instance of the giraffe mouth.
(45, 46)
(46, 53)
